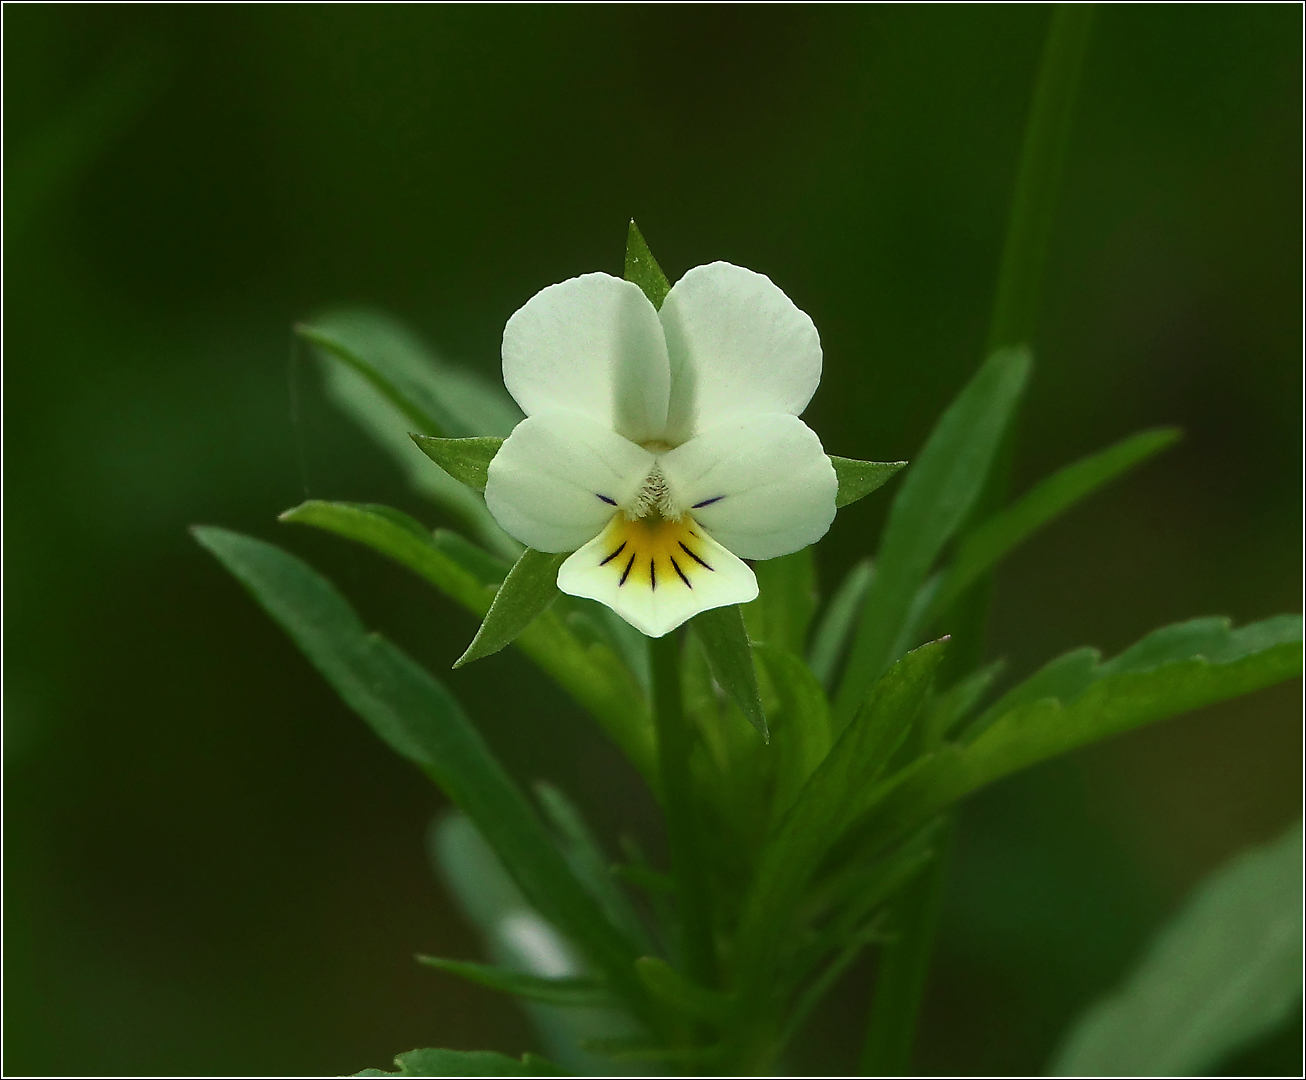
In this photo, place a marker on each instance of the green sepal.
(682, 995)
(857, 479)
(528, 590)
(565, 991)
(730, 656)
(468, 1063)
(466, 460)
(643, 269)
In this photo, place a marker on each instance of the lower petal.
(762, 486)
(657, 573)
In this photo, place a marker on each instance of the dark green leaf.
(857, 479)
(467, 1063)
(1226, 970)
(587, 862)
(992, 541)
(836, 624)
(643, 269)
(782, 613)
(592, 674)
(939, 490)
(418, 718)
(566, 991)
(1074, 701)
(801, 729)
(725, 641)
(530, 587)
(667, 985)
(945, 710)
(843, 788)
(466, 460)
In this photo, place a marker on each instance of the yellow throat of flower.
(655, 552)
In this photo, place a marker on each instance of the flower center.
(654, 498)
(653, 551)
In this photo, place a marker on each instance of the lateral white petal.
(592, 345)
(738, 346)
(763, 486)
(558, 477)
(657, 573)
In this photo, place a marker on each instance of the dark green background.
(211, 867)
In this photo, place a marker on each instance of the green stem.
(675, 741)
(900, 983)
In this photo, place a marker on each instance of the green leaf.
(466, 460)
(1075, 700)
(730, 656)
(957, 701)
(643, 269)
(1224, 971)
(530, 587)
(418, 718)
(782, 613)
(934, 499)
(592, 674)
(587, 862)
(801, 729)
(842, 789)
(857, 479)
(992, 541)
(689, 999)
(467, 1063)
(836, 624)
(565, 991)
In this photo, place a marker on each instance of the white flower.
(662, 447)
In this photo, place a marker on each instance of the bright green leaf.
(530, 587)
(418, 718)
(667, 985)
(593, 674)
(730, 656)
(857, 479)
(934, 499)
(993, 540)
(836, 624)
(643, 269)
(565, 991)
(466, 460)
(467, 1063)
(1224, 971)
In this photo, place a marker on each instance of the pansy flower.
(662, 446)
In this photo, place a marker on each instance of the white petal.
(557, 478)
(592, 345)
(738, 347)
(763, 487)
(656, 573)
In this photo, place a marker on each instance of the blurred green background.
(211, 866)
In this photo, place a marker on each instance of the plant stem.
(675, 741)
(904, 963)
(900, 984)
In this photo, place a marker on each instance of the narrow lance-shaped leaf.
(1076, 701)
(837, 623)
(421, 721)
(569, 991)
(643, 269)
(1226, 970)
(530, 587)
(993, 540)
(592, 674)
(932, 502)
(467, 1063)
(786, 601)
(841, 789)
(466, 460)
(730, 656)
(671, 988)
(857, 479)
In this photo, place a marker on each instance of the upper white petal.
(738, 346)
(592, 345)
(549, 482)
(763, 487)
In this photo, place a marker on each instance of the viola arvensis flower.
(662, 447)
